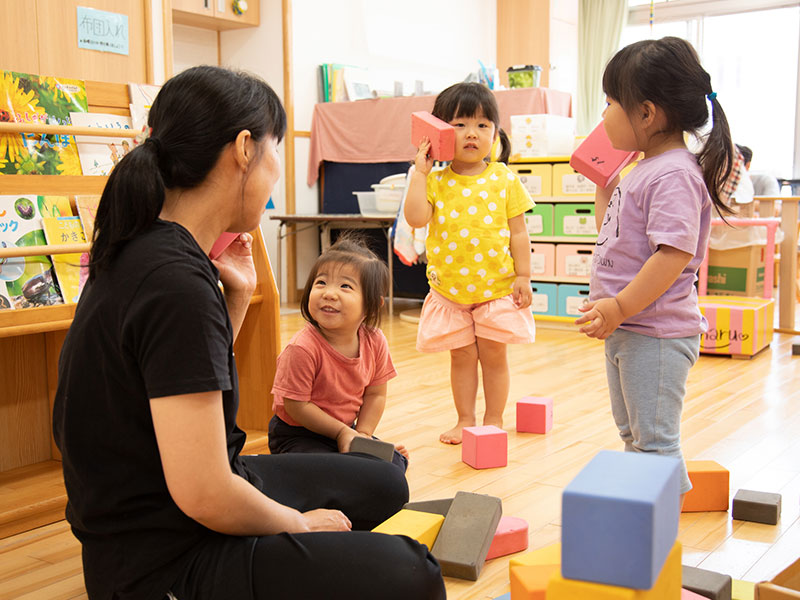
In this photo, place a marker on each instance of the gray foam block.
(438, 507)
(759, 507)
(466, 534)
(709, 584)
(796, 348)
(383, 450)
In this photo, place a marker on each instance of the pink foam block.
(442, 135)
(223, 241)
(484, 447)
(511, 536)
(598, 160)
(534, 414)
(689, 595)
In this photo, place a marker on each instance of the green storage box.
(575, 220)
(539, 221)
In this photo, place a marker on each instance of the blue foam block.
(619, 519)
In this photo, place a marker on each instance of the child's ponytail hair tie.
(712, 95)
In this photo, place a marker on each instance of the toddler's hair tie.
(712, 95)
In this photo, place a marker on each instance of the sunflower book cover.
(72, 270)
(28, 281)
(39, 100)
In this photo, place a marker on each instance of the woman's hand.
(602, 317)
(236, 269)
(423, 161)
(521, 292)
(322, 519)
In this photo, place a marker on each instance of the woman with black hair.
(145, 411)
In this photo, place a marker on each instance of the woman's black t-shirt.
(154, 325)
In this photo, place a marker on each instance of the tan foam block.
(710, 485)
(466, 534)
(421, 526)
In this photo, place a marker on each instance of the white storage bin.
(367, 205)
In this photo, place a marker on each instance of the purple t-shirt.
(663, 201)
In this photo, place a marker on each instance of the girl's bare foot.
(453, 436)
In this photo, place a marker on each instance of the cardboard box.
(545, 298)
(784, 586)
(737, 326)
(543, 260)
(574, 220)
(738, 272)
(568, 183)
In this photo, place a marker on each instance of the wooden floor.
(743, 414)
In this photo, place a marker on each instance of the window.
(752, 58)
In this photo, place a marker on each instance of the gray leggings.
(647, 383)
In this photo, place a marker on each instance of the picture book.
(99, 155)
(143, 94)
(28, 281)
(39, 100)
(87, 209)
(71, 269)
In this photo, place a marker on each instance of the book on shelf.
(143, 94)
(339, 83)
(87, 210)
(39, 100)
(28, 281)
(71, 270)
(99, 155)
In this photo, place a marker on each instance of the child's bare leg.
(464, 383)
(496, 379)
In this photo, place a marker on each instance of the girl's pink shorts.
(447, 325)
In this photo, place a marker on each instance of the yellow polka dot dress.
(469, 257)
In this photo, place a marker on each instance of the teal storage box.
(570, 297)
(539, 220)
(574, 220)
(545, 298)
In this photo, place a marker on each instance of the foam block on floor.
(796, 347)
(511, 536)
(466, 534)
(690, 595)
(667, 585)
(548, 555)
(534, 414)
(529, 582)
(710, 485)
(743, 590)
(421, 526)
(484, 447)
(708, 584)
(759, 507)
(439, 507)
(442, 135)
(383, 450)
(619, 519)
(506, 596)
(598, 160)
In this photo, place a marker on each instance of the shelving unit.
(31, 339)
(538, 175)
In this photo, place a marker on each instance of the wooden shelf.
(563, 199)
(32, 496)
(516, 159)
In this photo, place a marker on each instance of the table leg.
(391, 269)
(279, 268)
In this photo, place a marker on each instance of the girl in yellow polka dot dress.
(478, 250)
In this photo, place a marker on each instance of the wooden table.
(287, 225)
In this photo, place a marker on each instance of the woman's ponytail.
(131, 202)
